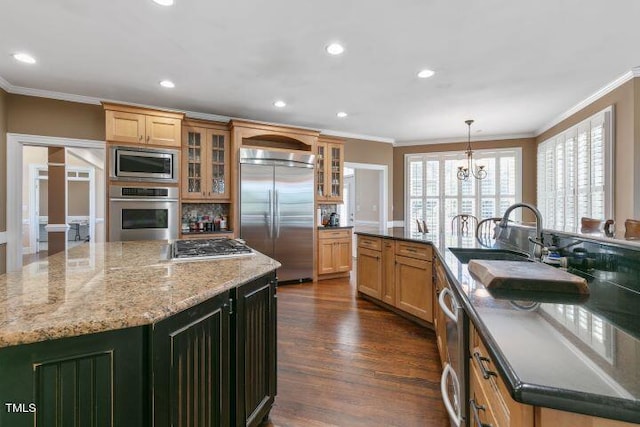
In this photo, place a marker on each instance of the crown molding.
(339, 134)
(464, 141)
(634, 72)
(5, 85)
(61, 96)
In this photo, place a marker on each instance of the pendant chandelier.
(477, 171)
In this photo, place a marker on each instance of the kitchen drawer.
(480, 410)
(506, 410)
(488, 392)
(334, 234)
(414, 250)
(374, 243)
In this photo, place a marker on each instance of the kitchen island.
(554, 357)
(115, 334)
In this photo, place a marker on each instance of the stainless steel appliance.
(277, 208)
(143, 213)
(453, 383)
(143, 164)
(208, 249)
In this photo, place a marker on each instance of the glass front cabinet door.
(330, 171)
(205, 164)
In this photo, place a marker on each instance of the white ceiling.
(513, 66)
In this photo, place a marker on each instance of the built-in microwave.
(144, 164)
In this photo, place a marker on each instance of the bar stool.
(463, 224)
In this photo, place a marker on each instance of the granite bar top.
(96, 287)
(553, 351)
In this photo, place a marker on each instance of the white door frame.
(15, 142)
(383, 187)
(34, 206)
(92, 193)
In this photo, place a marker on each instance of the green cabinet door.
(191, 366)
(255, 345)
(87, 381)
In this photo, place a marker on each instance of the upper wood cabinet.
(205, 164)
(133, 125)
(330, 178)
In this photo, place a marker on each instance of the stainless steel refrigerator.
(277, 208)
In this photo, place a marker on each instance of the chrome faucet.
(538, 246)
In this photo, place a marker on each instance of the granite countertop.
(96, 287)
(564, 354)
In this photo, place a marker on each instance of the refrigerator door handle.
(277, 214)
(270, 222)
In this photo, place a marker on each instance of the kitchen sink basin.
(466, 254)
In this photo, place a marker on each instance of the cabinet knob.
(148, 137)
(140, 138)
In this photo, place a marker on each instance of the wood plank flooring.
(343, 361)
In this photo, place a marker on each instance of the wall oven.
(144, 164)
(143, 213)
(453, 383)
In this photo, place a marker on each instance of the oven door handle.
(445, 309)
(142, 200)
(455, 415)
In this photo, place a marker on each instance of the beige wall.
(3, 176)
(50, 117)
(529, 149)
(3, 159)
(626, 102)
(379, 153)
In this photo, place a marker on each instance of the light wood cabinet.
(205, 164)
(369, 270)
(329, 179)
(398, 273)
(489, 393)
(547, 417)
(388, 272)
(133, 125)
(413, 280)
(334, 253)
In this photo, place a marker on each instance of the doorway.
(26, 215)
(365, 197)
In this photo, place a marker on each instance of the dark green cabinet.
(86, 381)
(213, 364)
(255, 345)
(191, 365)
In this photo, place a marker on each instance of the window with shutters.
(435, 194)
(575, 174)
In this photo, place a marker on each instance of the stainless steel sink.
(466, 254)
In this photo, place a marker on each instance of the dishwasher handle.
(443, 306)
(454, 413)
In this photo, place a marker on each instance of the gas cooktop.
(209, 248)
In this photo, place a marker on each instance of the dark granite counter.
(579, 356)
(334, 227)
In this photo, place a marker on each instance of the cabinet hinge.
(231, 307)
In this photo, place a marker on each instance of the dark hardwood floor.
(343, 361)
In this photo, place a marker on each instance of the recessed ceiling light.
(335, 49)
(342, 114)
(426, 73)
(280, 104)
(24, 57)
(164, 2)
(168, 84)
